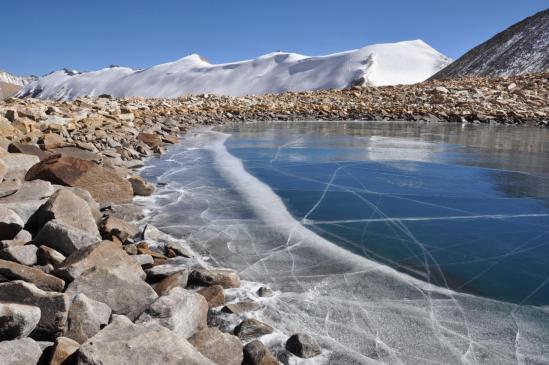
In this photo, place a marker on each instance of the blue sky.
(39, 36)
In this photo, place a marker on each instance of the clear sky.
(39, 36)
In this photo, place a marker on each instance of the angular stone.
(215, 295)
(79, 153)
(10, 223)
(123, 342)
(227, 278)
(65, 207)
(105, 185)
(112, 226)
(18, 164)
(48, 256)
(241, 307)
(104, 254)
(64, 351)
(15, 271)
(29, 149)
(54, 306)
(256, 353)
(140, 186)
(180, 310)
(51, 141)
(176, 280)
(17, 320)
(303, 345)
(25, 255)
(145, 261)
(179, 249)
(64, 238)
(122, 290)
(161, 272)
(251, 328)
(150, 139)
(221, 348)
(24, 351)
(86, 318)
(30, 191)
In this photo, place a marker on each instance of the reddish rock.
(51, 141)
(29, 149)
(215, 296)
(150, 139)
(104, 185)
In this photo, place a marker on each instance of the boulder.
(17, 320)
(64, 351)
(123, 342)
(265, 292)
(48, 256)
(24, 351)
(3, 170)
(241, 307)
(54, 306)
(122, 290)
(15, 271)
(29, 149)
(25, 255)
(30, 191)
(145, 261)
(227, 278)
(9, 187)
(150, 139)
(182, 311)
(64, 238)
(112, 226)
(303, 345)
(256, 353)
(161, 272)
(62, 206)
(251, 328)
(51, 140)
(18, 164)
(178, 249)
(215, 295)
(104, 254)
(221, 348)
(105, 185)
(10, 223)
(140, 186)
(177, 280)
(86, 318)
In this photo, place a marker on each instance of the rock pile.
(79, 282)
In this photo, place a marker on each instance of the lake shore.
(59, 269)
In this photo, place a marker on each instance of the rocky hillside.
(520, 49)
(11, 84)
(379, 64)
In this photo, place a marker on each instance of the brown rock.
(250, 328)
(214, 294)
(256, 353)
(29, 149)
(140, 186)
(64, 351)
(112, 226)
(178, 279)
(227, 278)
(241, 307)
(150, 139)
(15, 271)
(51, 141)
(86, 318)
(221, 348)
(103, 184)
(48, 256)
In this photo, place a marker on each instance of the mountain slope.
(11, 84)
(382, 64)
(520, 49)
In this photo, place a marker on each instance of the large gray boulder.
(17, 320)
(182, 311)
(99, 255)
(54, 306)
(24, 351)
(30, 191)
(65, 207)
(122, 290)
(14, 271)
(221, 348)
(10, 223)
(18, 164)
(25, 255)
(123, 342)
(86, 318)
(64, 238)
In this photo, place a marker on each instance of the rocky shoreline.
(82, 283)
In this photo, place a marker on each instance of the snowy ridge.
(382, 64)
(9, 78)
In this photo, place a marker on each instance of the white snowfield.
(382, 64)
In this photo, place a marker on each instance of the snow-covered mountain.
(9, 78)
(381, 64)
(520, 49)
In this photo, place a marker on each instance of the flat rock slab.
(17, 320)
(123, 342)
(182, 311)
(122, 290)
(105, 185)
(221, 348)
(30, 191)
(54, 306)
(15, 271)
(24, 351)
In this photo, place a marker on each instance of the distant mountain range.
(520, 49)
(382, 64)
(11, 84)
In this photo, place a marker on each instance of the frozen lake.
(391, 242)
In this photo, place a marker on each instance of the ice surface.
(363, 311)
(380, 64)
